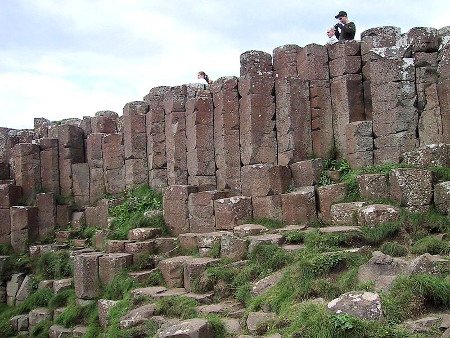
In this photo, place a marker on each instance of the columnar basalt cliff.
(255, 135)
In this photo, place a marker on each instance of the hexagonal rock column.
(156, 140)
(80, 184)
(226, 134)
(9, 196)
(49, 155)
(373, 186)
(312, 65)
(299, 206)
(257, 109)
(359, 144)
(110, 265)
(285, 61)
(86, 275)
(442, 197)
(172, 270)
(24, 227)
(175, 131)
(413, 188)
(443, 87)
(103, 306)
(27, 169)
(232, 211)
(201, 210)
(113, 153)
(200, 139)
(306, 173)
(267, 207)
(176, 210)
(233, 247)
(135, 143)
(365, 305)
(293, 118)
(376, 214)
(193, 271)
(192, 328)
(265, 179)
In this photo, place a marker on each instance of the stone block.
(343, 49)
(429, 155)
(345, 213)
(113, 151)
(306, 173)
(4, 171)
(24, 227)
(114, 180)
(377, 214)
(176, 153)
(86, 275)
(254, 241)
(254, 62)
(176, 211)
(201, 210)
(38, 315)
(267, 207)
(94, 152)
(172, 270)
(285, 61)
(312, 62)
(345, 65)
(140, 250)
(193, 270)
(232, 211)
(411, 187)
(329, 195)
(442, 197)
(80, 183)
(27, 169)
(136, 172)
(157, 179)
(78, 221)
(379, 37)
(233, 247)
(5, 226)
(63, 213)
(104, 124)
(111, 265)
(62, 284)
(361, 304)
(423, 39)
(373, 186)
(58, 331)
(299, 206)
(191, 328)
(265, 179)
(9, 195)
(142, 234)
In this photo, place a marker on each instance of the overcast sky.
(72, 58)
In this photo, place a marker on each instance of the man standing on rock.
(344, 29)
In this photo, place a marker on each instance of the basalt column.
(27, 169)
(443, 85)
(49, 165)
(293, 111)
(70, 151)
(113, 153)
(175, 131)
(393, 93)
(135, 143)
(156, 140)
(346, 89)
(94, 177)
(312, 65)
(226, 134)
(257, 109)
(424, 44)
(200, 138)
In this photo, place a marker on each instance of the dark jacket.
(347, 31)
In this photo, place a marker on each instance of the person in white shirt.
(331, 37)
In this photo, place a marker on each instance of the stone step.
(143, 234)
(246, 230)
(229, 308)
(338, 229)
(142, 276)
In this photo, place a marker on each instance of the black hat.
(341, 14)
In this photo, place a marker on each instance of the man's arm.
(348, 27)
(336, 31)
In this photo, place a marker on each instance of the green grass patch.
(114, 316)
(216, 322)
(130, 213)
(441, 174)
(394, 249)
(432, 245)
(268, 223)
(41, 329)
(53, 265)
(376, 235)
(177, 307)
(119, 287)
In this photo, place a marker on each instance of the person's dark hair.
(204, 76)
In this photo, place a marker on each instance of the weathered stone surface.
(137, 316)
(265, 179)
(5, 226)
(140, 250)
(165, 245)
(257, 322)
(379, 37)
(299, 206)
(58, 331)
(201, 210)
(345, 65)
(312, 62)
(429, 155)
(261, 286)
(46, 205)
(94, 153)
(359, 144)
(176, 154)
(192, 328)
(19, 323)
(104, 305)
(113, 154)
(104, 124)
(254, 241)
(176, 211)
(293, 118)
(62, 284)
(426, 264)
(345, 213)
(423, 39)
(80, 184)
(254, 61)
(411, 187)
(27, 169)
(382, 269)
(232, 211)
(373, 186)
(172, 270)
(37, 315)
(365, 305)
(233, 247)
(306, 173)
(193, 270)
(329, 195)
(9, 195)
(86, 275)
(142, 234)
(188, 241)
(112, 264)
(377, 214)
(442, 197)
(24, 227)
(24, 290)
(245, 230)
(208, 241)
(285, 61)
(267, 207)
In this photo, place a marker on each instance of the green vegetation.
(432, 245)
(179, 307)
(216, 322)
(130, 213)
(268, 223)
(119, 287)
(53, 265)
(393, 249)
